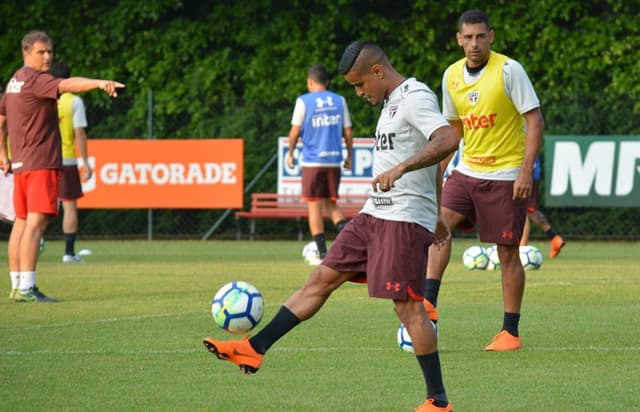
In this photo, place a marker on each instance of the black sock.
(510, 323)
(341, 224)
(321, 242)
(550, 233)
(431, 290)
(69, 243)
(280, 325)
(430, 365)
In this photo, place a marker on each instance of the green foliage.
(234, 69)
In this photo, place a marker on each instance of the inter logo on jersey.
(14, 86)
(472, 97)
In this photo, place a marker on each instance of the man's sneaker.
(13, 294)
(72, 259)
(239, 352)
(557, 243)
(430, 406)
(33, 294)
(504, 341)
(432, 312)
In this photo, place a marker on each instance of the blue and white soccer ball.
(475, 257)
(237, 307)
(530, 257)
(404, 340)
(311, 254)
(494, 260)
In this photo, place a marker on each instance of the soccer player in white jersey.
(386, 244)
(488, 98)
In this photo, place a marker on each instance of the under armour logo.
(320, 102)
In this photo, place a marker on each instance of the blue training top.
(321, 131)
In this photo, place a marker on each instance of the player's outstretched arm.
(83, 84)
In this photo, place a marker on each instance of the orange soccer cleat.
(504, 341)
(432, 312)
(430, 406)
(239, 352)
(557, 243)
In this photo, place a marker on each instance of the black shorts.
(320, 183)
(392, 255)
(70, 186)
(489, 203)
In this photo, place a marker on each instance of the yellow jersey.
(494, 130)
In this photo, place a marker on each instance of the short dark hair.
(60, 70)
(474, 16)
(352, 56)
(319, 74)
(32, 37)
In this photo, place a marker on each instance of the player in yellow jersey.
(488, 98)
(73, 123)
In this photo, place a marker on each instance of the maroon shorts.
(392, 255)
(70, 186)
(36, 191)
(533, 203)
(488, 203)
(320, 183)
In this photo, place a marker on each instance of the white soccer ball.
(404, 340)
(237, 307)
(530, 257)
(494, 260)
(475, 257)
(311, 254)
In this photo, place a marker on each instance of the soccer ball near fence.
(237, 307)
(530, 257)
(475, 257)
(311, 254)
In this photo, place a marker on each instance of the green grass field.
(126, 335)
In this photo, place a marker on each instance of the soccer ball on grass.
(494, 260)
(311, 254)
(404, 340)
(475, 257)
(530, 257)
(237, 307)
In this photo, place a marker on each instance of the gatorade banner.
(164, 174)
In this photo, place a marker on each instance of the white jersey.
(408, 118)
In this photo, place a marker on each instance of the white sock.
(15, 279)
(27, 280)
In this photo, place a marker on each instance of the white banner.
(354, 181)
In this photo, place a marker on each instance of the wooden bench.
(290, 206)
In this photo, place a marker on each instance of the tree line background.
(234, 68)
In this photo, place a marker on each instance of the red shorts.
(392, 255)
(533, 203)
(488, 203)
(320, 183)
(70, 186)
(36, 191)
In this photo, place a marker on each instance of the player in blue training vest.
(321, 119)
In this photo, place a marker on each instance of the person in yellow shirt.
(489, 99)
(73, 124)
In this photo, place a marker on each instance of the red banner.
(163, 174)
